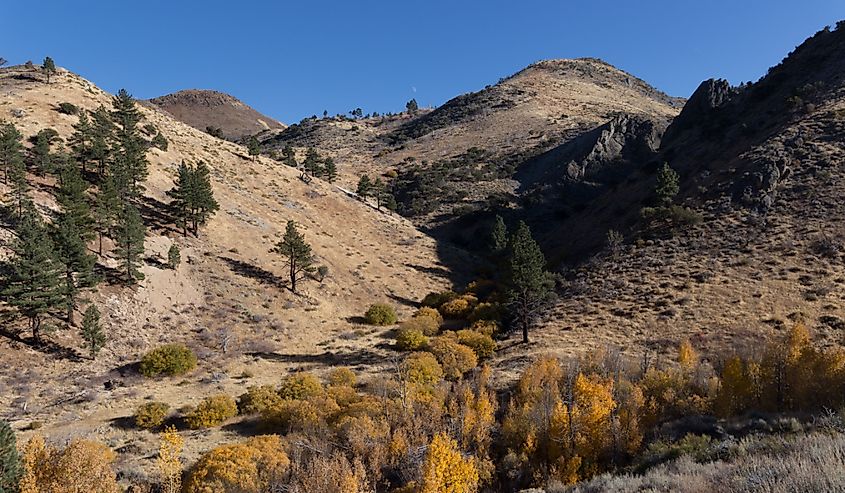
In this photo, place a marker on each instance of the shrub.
(299, 415)
(485, 327)
(81, 466)
(425, 325)
(257, 399)
(68, 108)
(160, 142)
(457, 308)
(342, 377)
(300, 385)
(380, 314)
(423, 369)
(482, 288)
(446, 469)
(151, 415)
(455, 358)
(212, 411)
(409, 339)
(434, 300)
(249, 467)
(481, 344)
(170, 360)
(486, 311)
(431, 313)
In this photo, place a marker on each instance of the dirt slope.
(203, 108)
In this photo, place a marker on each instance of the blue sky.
(294, 59)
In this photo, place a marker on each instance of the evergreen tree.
(174, 257)
(11, 149)
(92, 331)
(289, 156)
(193, 198)
(667, 184)
(11, 466)
(311, 165)
(378, 190)
(129, 168)
(106, 210)
(102, 134)
(180, 197)
(33, 284)
(129, 238)
(365, 187)
(42, 159)
(48, 67)
(498, 236)
(412, 107)
(253, 147)
(330, 170)
(81, 141)
(160, 142)
(72, 231)
(20, 185)
(530, 285)
(297, 252)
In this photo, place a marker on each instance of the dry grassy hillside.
(228, 287)
(202, 108)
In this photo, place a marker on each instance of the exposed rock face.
(709, 95)
(201, 109)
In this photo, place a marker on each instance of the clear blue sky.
(294, 59)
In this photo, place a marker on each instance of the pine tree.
(174, 257)
(72, 231)
(412, 107)
(253, 147)
(180, 197)
(106, 210)
(330, 170)
(297, 253)
(33, 284)
(364, 187)
(378, 190)
(667, 185)
(130, 241)
(311, 164)
(289, 156)
(92, 331)
(102, 134)
(129, 168)
(159, 142)
(81, 141)
(11, 467)
(42, 159)
(203, 203)
(48, 67)
(20, 186)
(498, 236)
(11, 149)
(530, 285)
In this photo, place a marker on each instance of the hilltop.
(203, 108)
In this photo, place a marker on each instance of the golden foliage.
(434, 300)
(455, 358)
(429, 312)
(482, 345)
(423, 369)
(410, 339)
(248, 467)
(425, 325)
(457, 308)
(82, 466)
(342, 377)
(446, 470)
(151, 415)
(212, 411)
(687, 356)
(169, 462)
(329, 474)
(300, 385)
(257, 399)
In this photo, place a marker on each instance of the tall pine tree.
(11, 149)
(106, 210)
(498, 237)
(81, 141)
(297, 252)
(330, 170)
(42, 158)
(129, 238)
(530, 285)
(33, 283)
(129, 168)
(92, 331)
(11, 466)
(72, 230)
(102, 134)
(193, 198)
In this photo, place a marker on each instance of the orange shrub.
(249, 467)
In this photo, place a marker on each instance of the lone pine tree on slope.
(193, 197)
(530, 285)
(297, 253)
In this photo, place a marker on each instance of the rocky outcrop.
(710, 95)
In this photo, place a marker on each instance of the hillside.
(203, 108)
(483, 136)
(229, 285)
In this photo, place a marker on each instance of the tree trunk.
(71, 302)
(100, 247)
(293, 276)
(525, 333)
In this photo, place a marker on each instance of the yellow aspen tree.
(445, 470)
(34, 458)
(169, 462)
(687, 356)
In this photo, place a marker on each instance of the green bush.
(170, 360)
(380, 314)
(68, 108)
(257, 399)
(300, 385)
(486, 311)
(151, 415)
(409, 339)
(212, 411)
(434, 300)
(481, 344)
